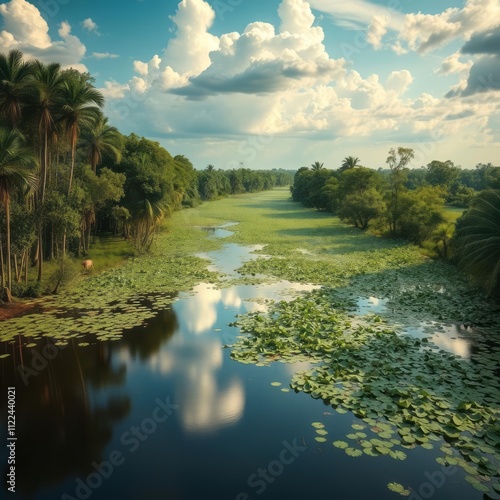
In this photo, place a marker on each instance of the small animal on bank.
(87, 265)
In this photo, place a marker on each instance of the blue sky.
(283, 83)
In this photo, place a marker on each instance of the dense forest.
(410, 204)
(66, 173)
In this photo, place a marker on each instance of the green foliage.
(29, 291)
(441, 174)
(393, 382)
(315, 188)
(421, 212)
(349, 162)
(397, 161)
(477, 240)
(214, 184)
(361, 207)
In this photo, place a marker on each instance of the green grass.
(271, 218)
(109, 251)
(453, 213)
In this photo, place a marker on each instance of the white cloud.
(399, 81)
(104, 55)
(114, 90)
(296, 17)
(376, 31)
(284, 84)
(452, 65)
(90, 25)
(24, 23)
(188, 52)
(358, 12)
(26, 30)
(426, 32)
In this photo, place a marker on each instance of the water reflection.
(62, 428)
(370, 305)
(201, 311)
(206, 403)
(219, 231)
(231, 257)
(448, 338)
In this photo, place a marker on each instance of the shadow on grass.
(305, 213)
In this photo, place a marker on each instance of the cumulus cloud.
(452, 64)
(23, 24)
(189, 51)
(26, 30)
(284, 83)
(90, 25)
(486, 42)
(114, 90)
(376, 31)
(260, 61)
(426, 32)
(484, 76)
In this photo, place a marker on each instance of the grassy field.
(272, 219)
(453, 213)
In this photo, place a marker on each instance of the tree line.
(409, 203)
(66, 173)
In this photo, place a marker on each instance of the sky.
(282, 83)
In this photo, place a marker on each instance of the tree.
(15, 76)
(477, 239)
(316, 166)
(80, 108)
(17, 170)
(349, 162)
(100, 138)
(397, 161)
(442, 237)
(421, 212)
(361, 207)
(44, 102)
(441, 174)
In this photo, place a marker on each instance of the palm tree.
(100, 138)
(317, 166)
(210, 168)
(349, 162)
(147, 220)
(17, 170)
(477, 239)
(45, 102)
(15, 76)
(442, 237)
(80, 108)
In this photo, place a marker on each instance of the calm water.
(165, 413)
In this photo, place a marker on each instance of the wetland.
(262, 350)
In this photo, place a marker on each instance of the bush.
(30, 290)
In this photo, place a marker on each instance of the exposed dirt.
(14, 309)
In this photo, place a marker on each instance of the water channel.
(165, 413)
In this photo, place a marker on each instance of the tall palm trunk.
(74, 135)
(2, 265)
(7, 224)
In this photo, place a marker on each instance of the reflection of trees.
(147, 341)
(60, 430)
